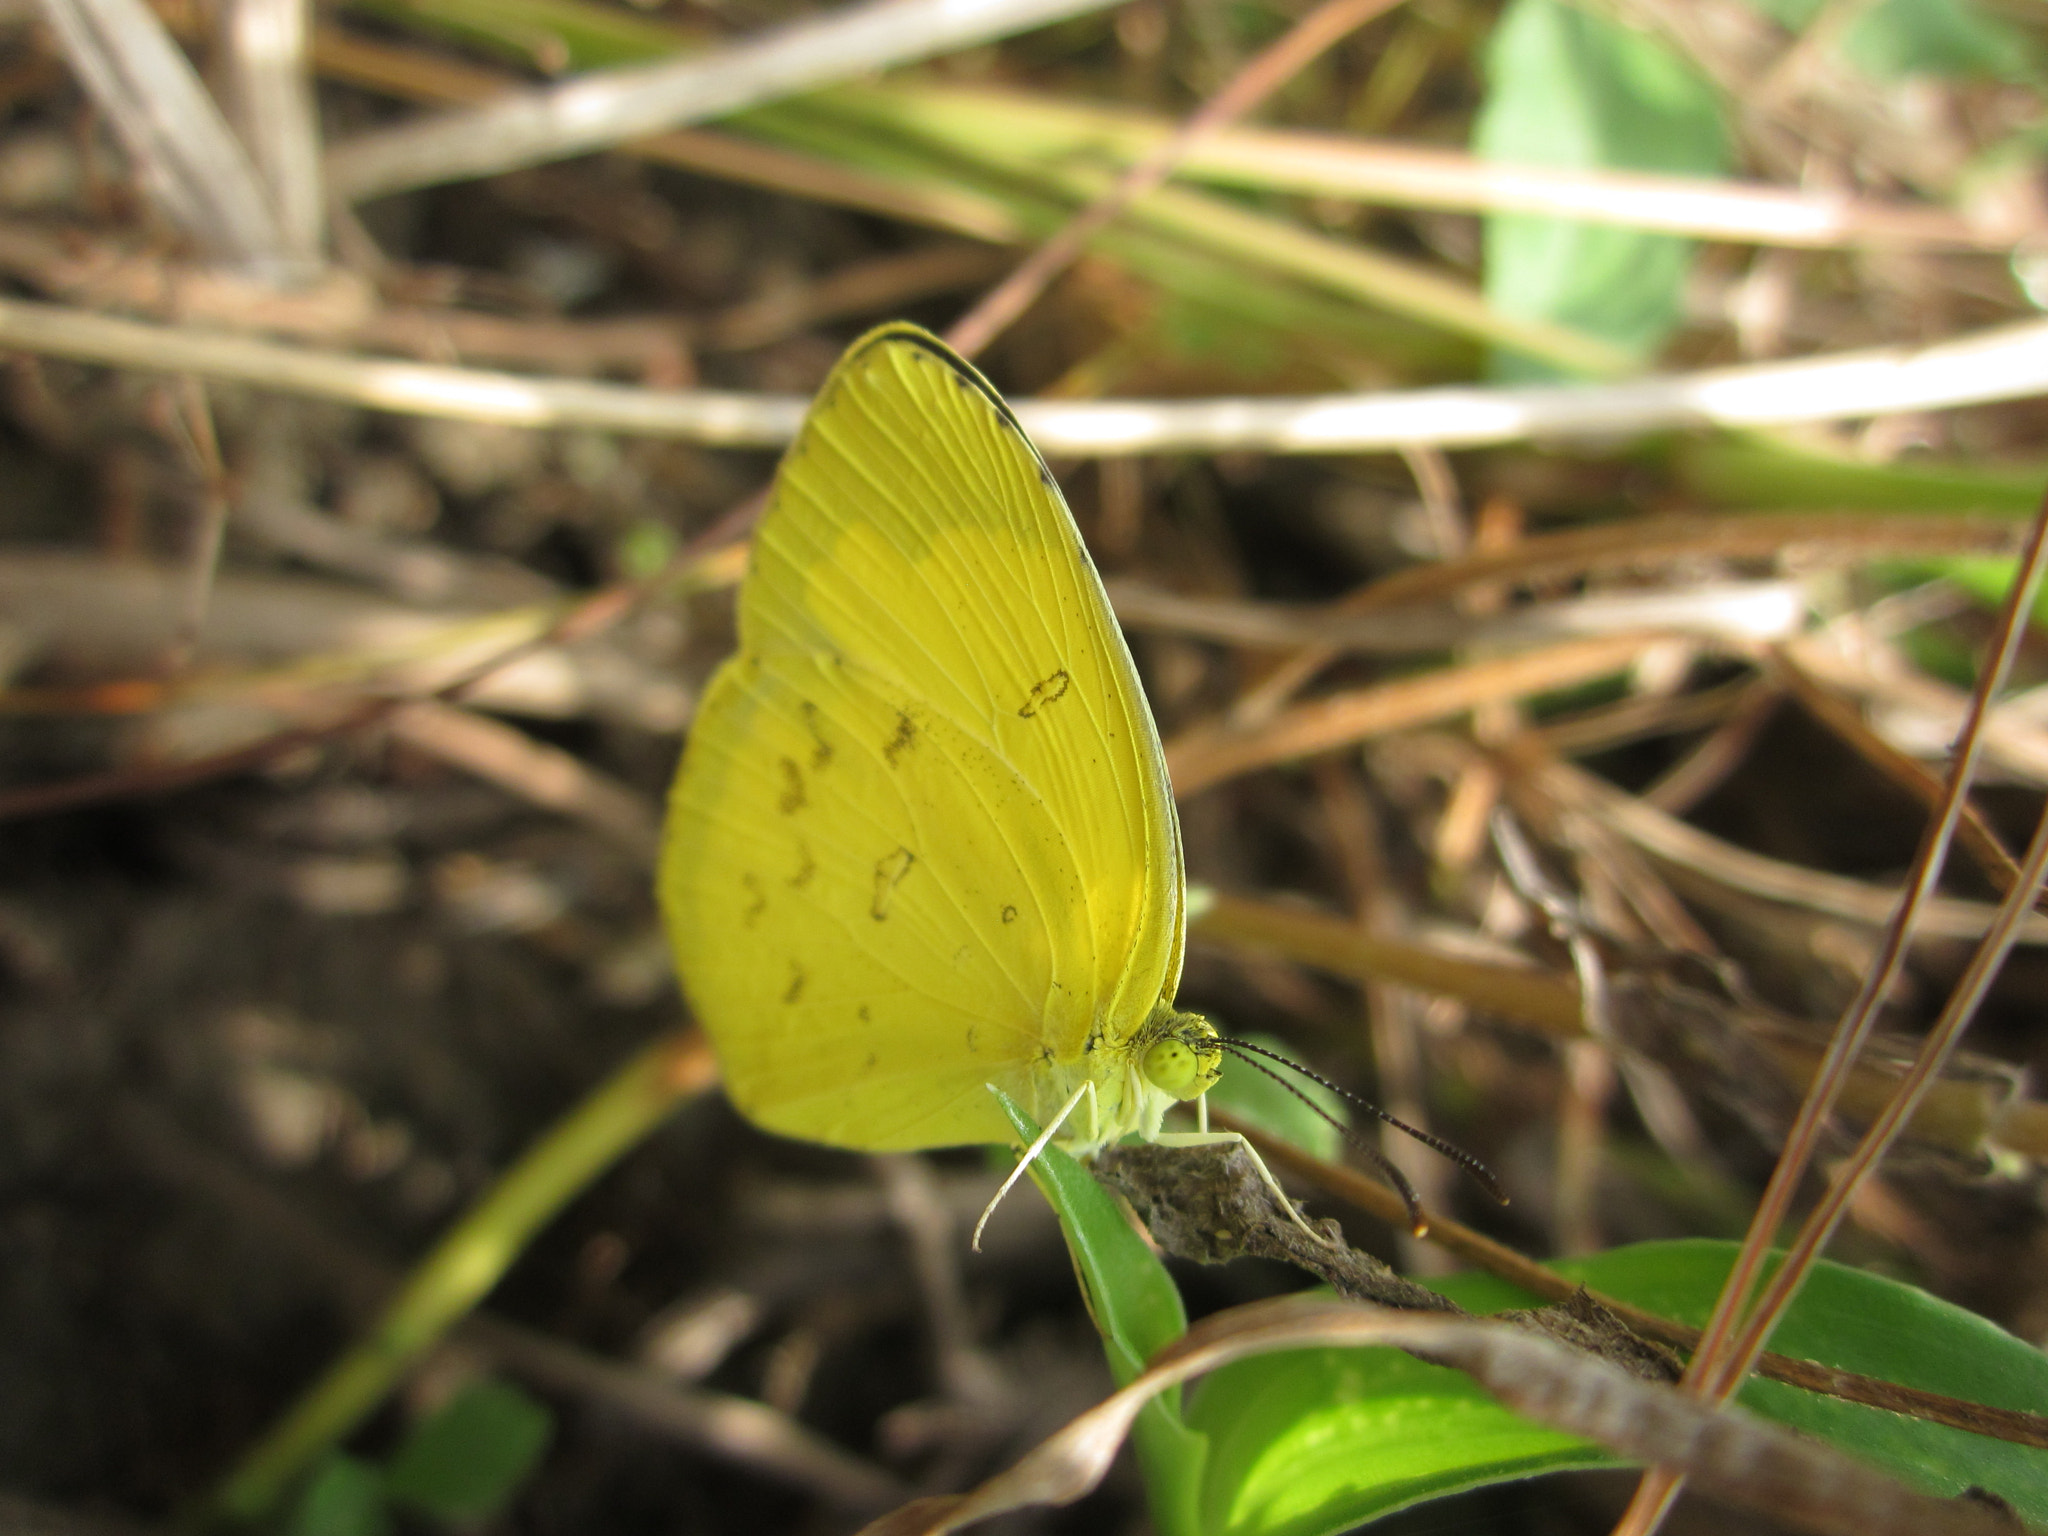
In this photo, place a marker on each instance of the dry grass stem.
(601, 108)
(2004, 364)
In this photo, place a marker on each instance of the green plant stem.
(464, 1266)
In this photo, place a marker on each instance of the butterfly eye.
(1185, 1071)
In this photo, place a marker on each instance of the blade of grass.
(1391, 174)
(1273, 67)
(464, 1266)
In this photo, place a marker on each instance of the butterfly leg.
(1087, 1091)
(1218, 1138)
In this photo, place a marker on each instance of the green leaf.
(1316, 1441)
(463, 1462)
(645, 549)
(345, 1497)
(1899, 38)
(1856, 1322)
(1137, 1310)
(1894, 39)
(1568, 88)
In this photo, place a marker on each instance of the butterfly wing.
(922, 839)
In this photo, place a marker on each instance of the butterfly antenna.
(1480, 1174)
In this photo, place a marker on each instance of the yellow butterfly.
(922, 840)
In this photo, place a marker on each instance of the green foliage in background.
(1567, 88)
(459, 1466)
(1894, 39)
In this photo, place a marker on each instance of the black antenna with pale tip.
(1480, 1174)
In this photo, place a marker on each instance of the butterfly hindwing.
(921, 840)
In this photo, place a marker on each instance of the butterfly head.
(1180, 1054)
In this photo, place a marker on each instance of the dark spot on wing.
(821, 749)
(889, 872)
(806, 869)
(904, 739)
(1009, 914)
(751, 913)
(1045, 477)
(797, 978)
(1045, 691)
(863, 1015)
(971, 1048)
(869, 1064)
(793, 799)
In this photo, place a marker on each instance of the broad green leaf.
(1318, 1440)
(464, 1462)
(1856, 1322)
(1566, 87)
(1137, 1310)
(345, 1497)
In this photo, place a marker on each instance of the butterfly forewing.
(921, 840)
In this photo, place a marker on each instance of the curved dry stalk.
(1731, 1457)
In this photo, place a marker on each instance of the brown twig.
(1735, 1333)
